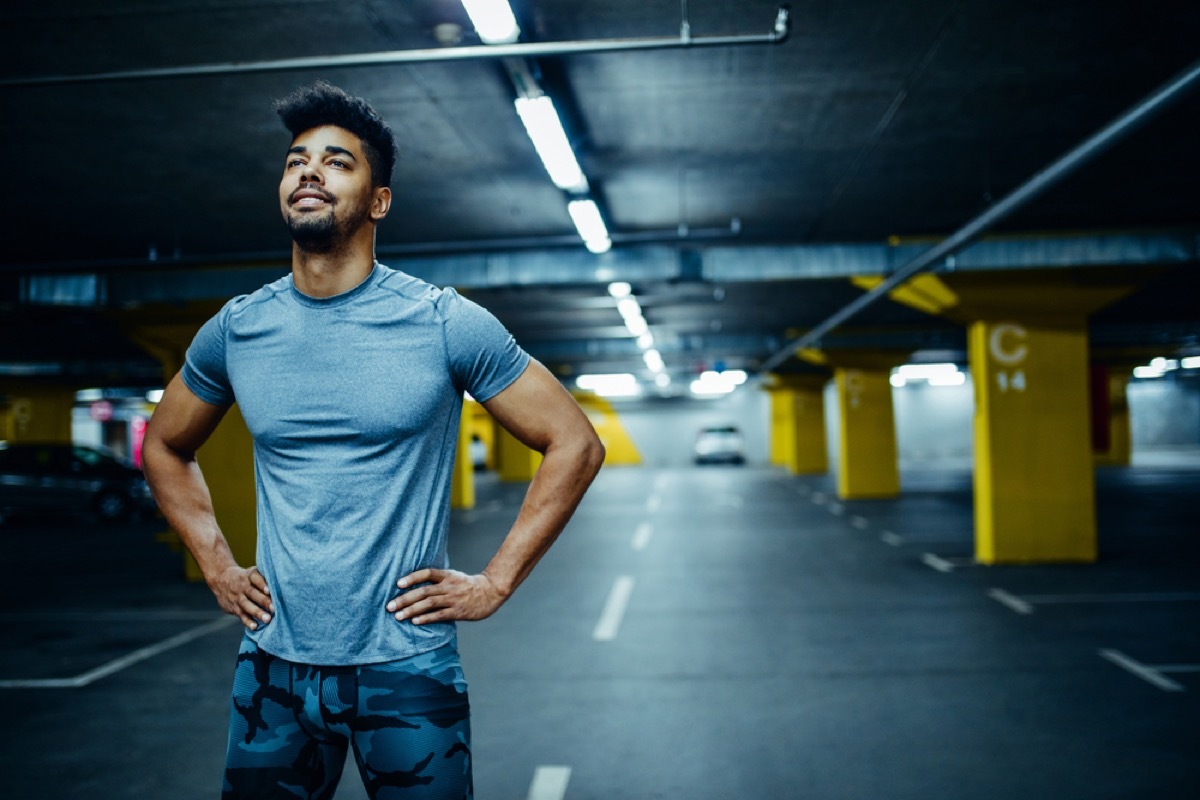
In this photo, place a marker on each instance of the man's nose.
(310, 174)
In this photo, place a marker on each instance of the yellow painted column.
(797, 435)
(1120, 438)
(1034, 484)
(867, 459)
(462, 481)
(517, 462)
(37, 413)
(226, 459)
(783, 426)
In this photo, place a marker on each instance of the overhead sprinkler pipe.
(1082, 153)
(779, 33)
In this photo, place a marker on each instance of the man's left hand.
(442, 595)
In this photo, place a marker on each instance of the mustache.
(310, 187)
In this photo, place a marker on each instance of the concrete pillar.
(517, 462)
(797, 433)
(1111, 417)
(226, 459)
(1034, 486)
(37, 413)
(868, 465)
(462, 480)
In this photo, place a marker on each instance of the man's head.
(323, 104)
(336, 173)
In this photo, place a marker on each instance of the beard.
(312, 232)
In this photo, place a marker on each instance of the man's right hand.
(244, 593)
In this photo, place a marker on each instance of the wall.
(664, 430)
(1165, 412)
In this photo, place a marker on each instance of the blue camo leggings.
(291, 724)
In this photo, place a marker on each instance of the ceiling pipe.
(1023, 194)
(779, 33)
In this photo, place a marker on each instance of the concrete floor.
(775, 644)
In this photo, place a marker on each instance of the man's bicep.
(182, 421)
(535, 408)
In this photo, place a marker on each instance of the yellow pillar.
(462, 481)
(1034, 486)
(227, 458)
(1120, 440)
(797, 435)
(37, 413)
(867, 459)
(517, 462)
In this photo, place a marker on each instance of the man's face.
(326, 193)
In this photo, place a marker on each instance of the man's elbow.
(593, 453)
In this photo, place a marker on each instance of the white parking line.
(1149, 674)
(641, 536)
(653, 502)
(862, 523)
(836, 509)
(1012, 601)
(819, 498)
(893, 539)
(940, 564)
(614, 609)
(121, 663)
(549, 783)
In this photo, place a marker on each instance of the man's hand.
(445, 595)
(244, 593)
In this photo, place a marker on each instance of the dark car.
(66, 478)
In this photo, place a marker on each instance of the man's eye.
(337, 162)
(295, 162)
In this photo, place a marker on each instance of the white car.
(720, 444)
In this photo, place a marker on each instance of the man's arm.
(540, 413)
(181, 423)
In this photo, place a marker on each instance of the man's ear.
(381, 203)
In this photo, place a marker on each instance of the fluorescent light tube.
(493, 20)
(591, 228)
(550, 141)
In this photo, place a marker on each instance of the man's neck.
(335, 272)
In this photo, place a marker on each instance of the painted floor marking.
(549, 783)
(653, 502)
(818, 498)
(641, 536)
(803, 488)
(123, 662)
(893, 539)
(1130, 597)
(940, 564)
(862, 523)
(1012, 601)
(948, 563)
(1149, 674)
(1025, 603)
(614, 609)
(836, 509)
(731, 500)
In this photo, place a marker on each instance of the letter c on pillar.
(1013, 354)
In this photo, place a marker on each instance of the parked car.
(720, 444)
(64, 478)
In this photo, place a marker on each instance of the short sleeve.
(484, 357)
(204, 370)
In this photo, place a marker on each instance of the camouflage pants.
(290, 726)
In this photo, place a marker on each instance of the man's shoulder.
(411, 289)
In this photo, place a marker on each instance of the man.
(350, 377)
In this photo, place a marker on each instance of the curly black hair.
(322, 103)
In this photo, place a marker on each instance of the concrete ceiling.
(724, 173)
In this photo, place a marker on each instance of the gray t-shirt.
(353, 402)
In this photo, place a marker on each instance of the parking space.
(698, 632)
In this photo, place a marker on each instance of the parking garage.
(889, 328)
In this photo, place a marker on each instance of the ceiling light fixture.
(588, 222)
(493, 21)
(621, 384)
(541, 122)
